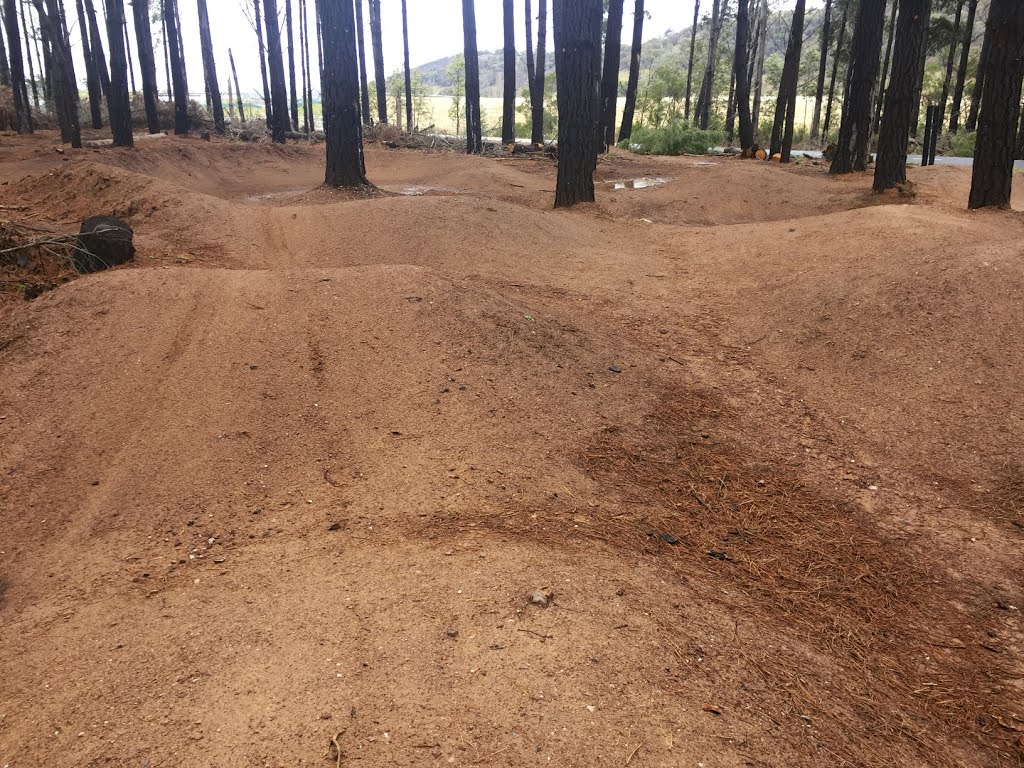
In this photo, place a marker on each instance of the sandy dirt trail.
(294, 476)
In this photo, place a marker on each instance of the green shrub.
(676, 138)
(960, 144)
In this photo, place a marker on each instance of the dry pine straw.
(870, 640)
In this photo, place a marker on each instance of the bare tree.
(275, 62)
(292, 84)
(626, 130)
(474, 125)
(610, 73)
(508, 112)
(210, 67)
(376, 41)
(345, 164)
(693, 51)
(178, 75)
(22, 111)
(118, 101)
(147, 63)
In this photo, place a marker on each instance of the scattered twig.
(537, 634)
(633, 753)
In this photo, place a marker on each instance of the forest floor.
(287, 485)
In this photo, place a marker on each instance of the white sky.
(435, 31)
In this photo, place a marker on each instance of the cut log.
(105, 242)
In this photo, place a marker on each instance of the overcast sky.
(435, 31)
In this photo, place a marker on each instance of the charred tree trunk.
(308, 91)
(408, 69)
(578, 69)
(992, 178)
(267, 103)
(22, 113)
(531, 70)
(540, 72)
(915, 119)
(210, 67)
(128, 54)
(865, 50)
(785, 105)
(92, 78)
(949, 62)
(238, 91)
(979, 81)
(730, 106)
(835, 70)
(758, 68)
(119, 101)
(5, 67)
(178, 76)
(508, 107)
(147, 63)
(634, 72)
(610, 74)
(167, 56)
(891, 167)
(689, 67)
(474, 130)
(883, 78)
(303, 69)
(742, 74)
(819, 91)
(62, 71)
(376, 41)
(99, 58)
(703, 110)
(961, 70)
(26, 10)
(345, 163)
(364, 84)
(293, 102)
(275, 63)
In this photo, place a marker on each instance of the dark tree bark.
(178, 76)
(785, 105)
(835, 70)
(22, 113)
(891, 166)
(128, 54)
(99, 58)
(275, 63)
(364, 84)
(865, 51)
(308, 91)
(307, 124)
(634, 72)
(915, 119)
(167, 56)
(508, 107)
(408, 69)
(540, 73)
(949, 61)
(376, 41)
(742, 83)
(474, 127)
(238, 91)
(531, 70)
(292, 83)
(610, 73)
(147, 63)
(703, 110)
(26, 11)
(210, 67)
(961, 70)
(758, 65)
(992, 177)
(883, 78)
(92, 78)
(730, 105)
(819, 91)
(689, 67)
(119, 102)
(267, 102)
(5, 67)
(979, 82)
(578, 69)
(62, 71)
(345, 164)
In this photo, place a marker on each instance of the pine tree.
(62, 71)
(267, 102)
(693, 51)
(578, 71)
(364, 85)
(178, 75)
(345, 163)
(474, 124)
(948, 79)
(118, 102)
(742, 75)
(835, 70)
(92, 78)
(5, 68)
(22, 112)
(634, 72)
(293, 102)
(508, 111)
(376, 42)
(408, 69)
(238, 91)
(785, 105)
(819, 91)
(147, 63)
(96, 38)
(979, 83)
(883, 78)
(210, 67)
(961, 70)
(702, 116)
(275, 63)
(992, 177)
(610, 73)
(539, 81)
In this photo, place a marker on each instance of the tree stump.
(106, 242)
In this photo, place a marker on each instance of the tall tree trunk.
(730, 106)
(891, 167)
(99, 58)
(62, 71)
(540, 73)
(979, 82)
(408, 69)
(238, 91)
(345, 163)
(26, 11)
(210, 67)
(915, 120)
(689, 67)
(22, 113)
(819, 91)
(785, 105)
(742, 75)
(267, 103)
(304, 72)
(376, 41)
(275, 62)
(92, 78)
(128, 54)
(292, 84)
(949, 62)
(610, 73)
(883, 78)
(474, 126)
(167, 56)
(308, 92)
(147, 63)
(530, 68)
(364, 84)
(578, 69)
(961, 70)
(703, 111)
(5, 67)
(178, 76)
(865, 51)
(119, 102)
(634, 72)
(758, 74)
(835, 69)
(992, 177)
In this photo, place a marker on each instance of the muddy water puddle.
(641, 183)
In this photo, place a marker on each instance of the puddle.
(271, 196)
(644, 183)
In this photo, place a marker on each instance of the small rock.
(334, 527)
(615, 369)
(669, 538)
(453, 633)
(325, 715)
(542, 597)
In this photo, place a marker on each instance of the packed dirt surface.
(726, 469)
